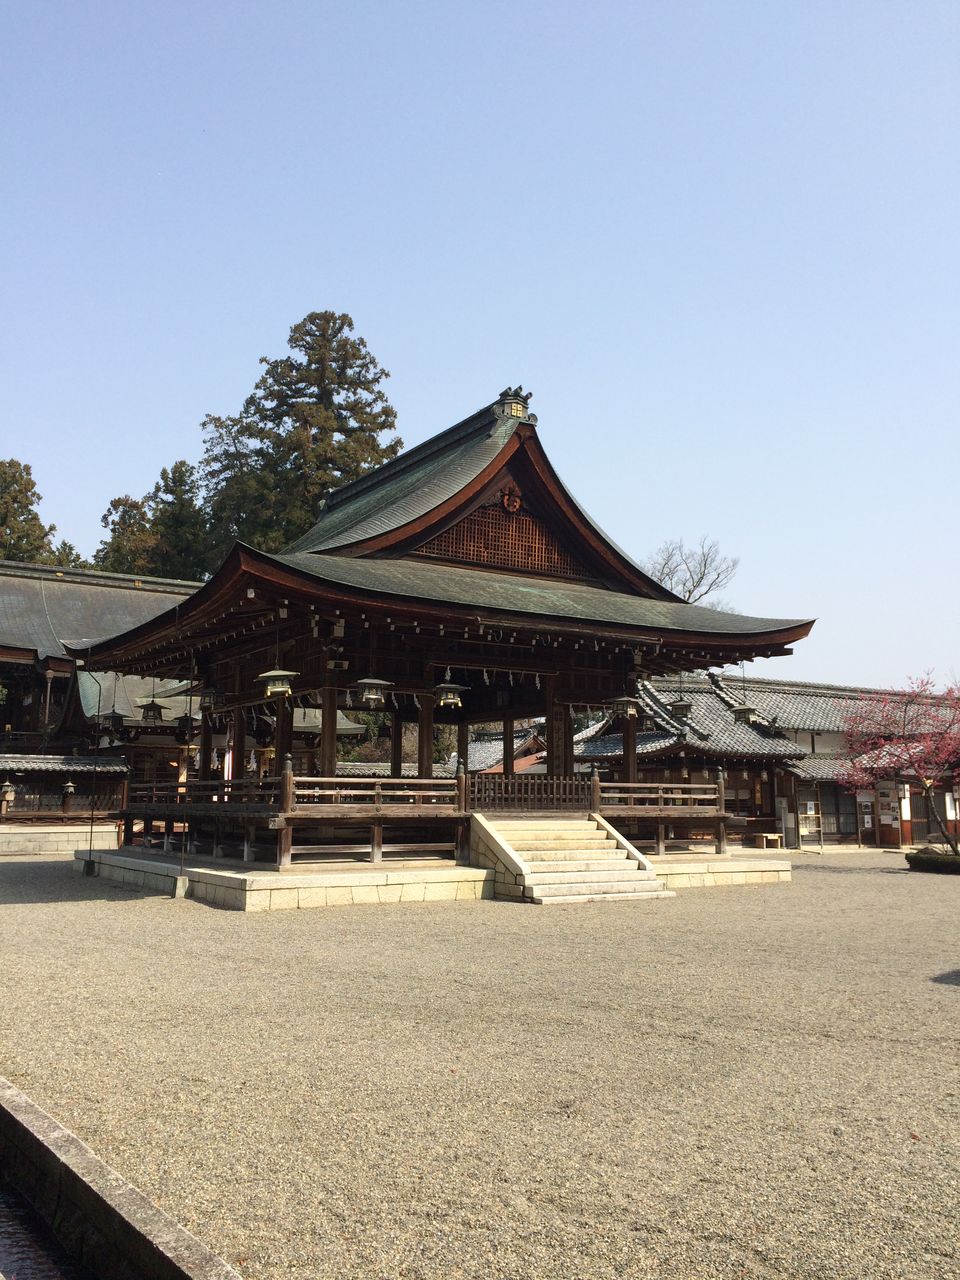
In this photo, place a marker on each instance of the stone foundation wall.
(17, 839)
(486, 852)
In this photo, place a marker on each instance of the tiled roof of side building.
(792, 704)
(43, 607)
(510, 593)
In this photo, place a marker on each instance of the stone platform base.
(693, 871)
(251, 890)
(18, 838)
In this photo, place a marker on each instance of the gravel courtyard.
(744, 1082)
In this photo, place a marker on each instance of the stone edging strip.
(102, 1221)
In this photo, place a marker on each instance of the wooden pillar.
(206, 747)
(425, 736)
(239, 744)
(661, 844)
(568, 766)
(629, 748)
(283, 739)
(463, 745)
(396, 745)
(328, 733)
(376, 841)
(285, 832)
(508, 748)
(553, 729)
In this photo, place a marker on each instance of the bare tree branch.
(692, 573)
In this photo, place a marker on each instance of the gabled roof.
(44, 608)
(410, 485)
(401, 504)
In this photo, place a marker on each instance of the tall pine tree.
(23, 535)
(316, 419)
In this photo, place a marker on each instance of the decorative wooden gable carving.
(503, 534)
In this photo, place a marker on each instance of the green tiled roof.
(510, 593)
(409, 486)
(43, 608)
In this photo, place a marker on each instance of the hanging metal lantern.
(681, 708)
(373, 691)
(448, 693)
(624, 705)
(276, 683)
(744, 714)
(647, 724)
(211, 698)
(151, 713)
(113, 723)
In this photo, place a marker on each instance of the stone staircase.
(575, 859)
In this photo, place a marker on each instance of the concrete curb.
(100, 1219)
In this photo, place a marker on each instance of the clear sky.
(718, 240)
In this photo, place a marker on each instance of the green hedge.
(947, 864)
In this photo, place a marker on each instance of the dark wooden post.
(552, 729)
(425, 736)
(328, 733)
(594, 790)
(629, 748)
(206, 747)
(508, 748)
(285, 833)
(239, 744)
(461, 787)
(376, 841)
(463, 744)
(66, 800)
(568, 766)
(283, 739)
(396, 745)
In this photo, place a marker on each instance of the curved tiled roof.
(511, 593)
(410, 485)
(44, 608)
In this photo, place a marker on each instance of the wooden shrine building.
(459, 583)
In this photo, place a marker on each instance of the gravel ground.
(744, 1082)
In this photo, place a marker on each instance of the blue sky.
(718, 241)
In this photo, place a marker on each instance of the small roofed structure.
(43, 610)
(458, 584)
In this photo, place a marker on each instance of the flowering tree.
(907, 733)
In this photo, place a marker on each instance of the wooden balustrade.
(247, 791)
(685, 798)
(354, 796)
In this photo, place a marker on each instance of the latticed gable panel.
(503, 535)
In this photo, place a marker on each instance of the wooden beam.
(425, 736)
(328, 733)
(508, 747)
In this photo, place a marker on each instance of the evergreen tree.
(314, 421)
(178, 524)
(23, 535)
(131, 545)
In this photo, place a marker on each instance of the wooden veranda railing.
(354, 797)
(263, 793)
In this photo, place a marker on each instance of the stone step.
(545, 824)
(585, 864)
(588, 884)
(583, 848)
(546, 840)
(598, 875)
(560, 900)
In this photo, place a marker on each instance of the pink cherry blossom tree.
(911, 733)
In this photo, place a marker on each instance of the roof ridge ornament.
(514, 402)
